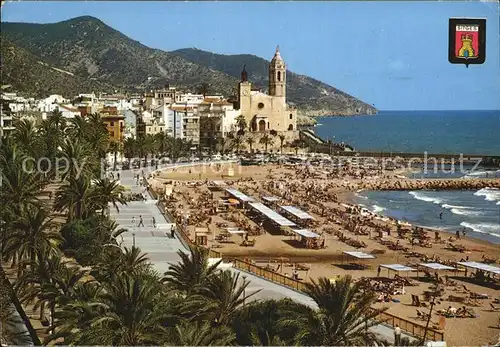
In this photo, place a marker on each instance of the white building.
(189, 98)
(50, 103)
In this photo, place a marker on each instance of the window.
(112, 134)
(279, 76)
(111, 123)
(291, 116)
(260, 105)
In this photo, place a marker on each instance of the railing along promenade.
(410, 327)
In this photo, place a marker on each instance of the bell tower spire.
(277, 75)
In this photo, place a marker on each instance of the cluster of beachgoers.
(296, 220)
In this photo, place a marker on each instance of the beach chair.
(422, 315)
(494, 308)
(475, 295)
(454, 298)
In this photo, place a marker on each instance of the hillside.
(89, 49)
(30, 75)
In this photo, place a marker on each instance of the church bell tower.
(277, 75)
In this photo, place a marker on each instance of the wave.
(453, 206)
(378, 209)
(423, 197)
(483, 228)
(490, 194)
(477, 173)
(463, 210)
(361, 196)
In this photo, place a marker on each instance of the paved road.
(162, 250)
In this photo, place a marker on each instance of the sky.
(390, 54)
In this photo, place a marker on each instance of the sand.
(193, 197)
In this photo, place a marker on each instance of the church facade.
(266, 112)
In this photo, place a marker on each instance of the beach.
(196, 202)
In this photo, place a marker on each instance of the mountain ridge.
(88, 48)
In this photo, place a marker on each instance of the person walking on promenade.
(133, 221)
(397, 335)
(172, 231)
(141, 222)
(154, 222)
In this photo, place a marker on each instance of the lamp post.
(133, 239)
(244, 290)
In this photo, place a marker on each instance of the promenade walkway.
(156, 242)
(162, 250)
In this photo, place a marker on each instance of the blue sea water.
(468, 132)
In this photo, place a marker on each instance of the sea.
(467, 132)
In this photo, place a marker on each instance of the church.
(266, 112)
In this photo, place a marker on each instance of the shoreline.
(351, 197)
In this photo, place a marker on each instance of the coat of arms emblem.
(467, 41)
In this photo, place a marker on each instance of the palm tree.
(282, 139)
(241, 123)
(296, 144)
(189, 333)
(133, 261)
(72, 319)
(97, 135)
(26, 137)
(78, 127)
(21, 182)
(191, 274)
(144, 146)
(237, 142)
(76, 155)
(266, 140)
(265, 319)
(152, 144)
(250, 141)
(115, 147)
(204, 89)
(105, 192)
(129, 148)
(226, 295)
(132, 313)
(32, 285)
(343, 317)
(57, 120)
(164, 142)
(75, 197)
(267, 340)
(30, 233)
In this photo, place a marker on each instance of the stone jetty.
(431, 184)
